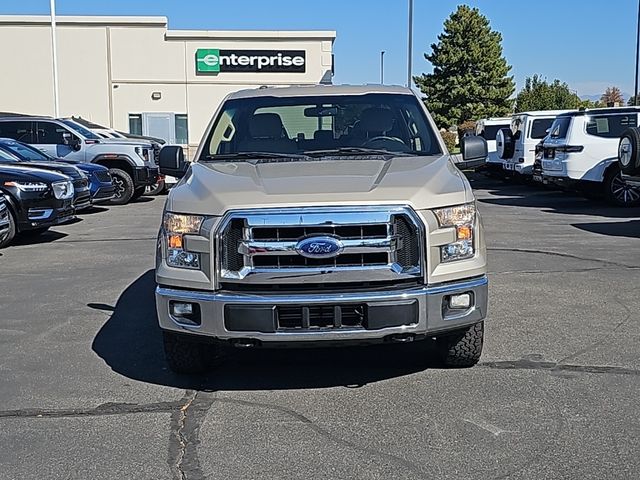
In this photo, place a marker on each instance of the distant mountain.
(595, 97)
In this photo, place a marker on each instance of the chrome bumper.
(431, 316)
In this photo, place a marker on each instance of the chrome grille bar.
(252, 248)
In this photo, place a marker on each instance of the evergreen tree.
(538, 94)
(470, 78)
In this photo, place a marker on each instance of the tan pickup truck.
(322, 215)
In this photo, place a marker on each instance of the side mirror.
(474, 152)
(71, 141)
(171, 161)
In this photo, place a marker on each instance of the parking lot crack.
(184, 435)
(406, 464)
(564, 255)
(528, 364)
(110, 408)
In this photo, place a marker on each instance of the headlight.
(62, 190)
(28, 186)
(143, 153)
(175, 227)
(463, 219)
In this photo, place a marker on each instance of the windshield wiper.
(354, 151)
(253, 156)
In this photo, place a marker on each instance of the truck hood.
(421, 182)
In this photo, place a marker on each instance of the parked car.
(81, 196)
(488, 128)
(131, 165)
(4, 222)
(516, 145)
(37, 200)
(163, 183)
(581, 151)
(101, 187)
(629, 156)
(321, 215)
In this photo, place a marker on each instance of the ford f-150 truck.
(322, 215)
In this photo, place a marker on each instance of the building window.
(135, 124)
(182, 129)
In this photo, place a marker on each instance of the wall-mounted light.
(156, 95)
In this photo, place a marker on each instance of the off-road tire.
(630, 163)
(461, 348)
(124, 186)
(187, 356)
(8, 237)
(613, 183)
(156, 189)
(138, 192)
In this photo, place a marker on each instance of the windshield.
(345, 124)
(85, 132)
(7, 157)
(25, 152)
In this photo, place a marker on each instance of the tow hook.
(402, 338)
(244, 343)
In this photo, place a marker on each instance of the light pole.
(382, 67)
(56, 102)
(410, 45)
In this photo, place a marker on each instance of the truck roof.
(317, 90)
(621, 110)
(543, 113)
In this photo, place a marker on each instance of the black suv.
(37, 199)
(81, 195)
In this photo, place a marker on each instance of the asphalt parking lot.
(85, 392)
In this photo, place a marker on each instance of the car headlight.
(62, 190)
(175, 226)
(463, 219)
(143, 153)
(28, 186)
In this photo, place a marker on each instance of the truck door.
(58, 141)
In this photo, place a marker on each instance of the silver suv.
(131, 163)
(321, 215)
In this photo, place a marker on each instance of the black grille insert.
(345, 260)
(296, 233)
(231, 259)
(408, 255)
(307, 317)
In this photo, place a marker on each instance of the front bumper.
(519, 168)
(145, 176)
(41, 216)
(103, 193)
(424, 311)
(82, 199)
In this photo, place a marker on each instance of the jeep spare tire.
(629, 151)
(505, 144)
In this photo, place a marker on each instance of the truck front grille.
(378, 245)
(320, 316)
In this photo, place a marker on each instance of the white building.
(135, 75)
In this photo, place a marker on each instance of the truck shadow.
(130, 342)
(629, 229)
(501, 193)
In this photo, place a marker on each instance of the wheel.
(155, 189)
(505, 143)
(618, 192)
(186, 356)
(461, 348)
(34, 232)
(7, 238)
(629, 151)
(138, 192)
(124, 186)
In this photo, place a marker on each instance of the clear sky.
(588, 43)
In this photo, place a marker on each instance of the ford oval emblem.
(319, 247)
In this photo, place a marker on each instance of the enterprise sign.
(213, 60)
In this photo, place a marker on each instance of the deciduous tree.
(538, 94)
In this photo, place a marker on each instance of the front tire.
(618, 192)
(9, 235)
(461, 348)
(124, 186)
(185, 355)
(155, 189)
